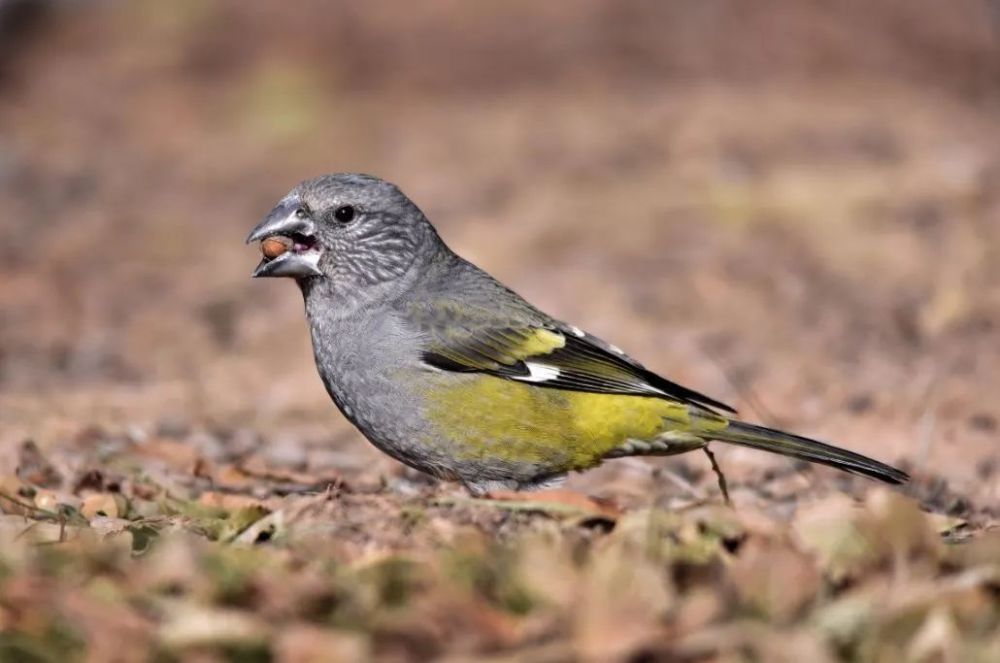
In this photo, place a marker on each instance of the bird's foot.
(720, 477)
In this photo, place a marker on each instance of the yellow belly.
(489, 418)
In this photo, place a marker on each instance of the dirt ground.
(791, 207)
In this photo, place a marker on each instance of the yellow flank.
(486, 417)
(541, 342)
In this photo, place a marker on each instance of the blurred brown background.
(791, 205)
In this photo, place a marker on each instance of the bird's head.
(354, 230)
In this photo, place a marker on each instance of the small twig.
(30, 507)
(723, 486)
(746, 392)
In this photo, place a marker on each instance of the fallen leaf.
(177, 455)
(33, 468)
(102, 504)
(562, 502)
(189, 626)
(228, 501)
(774, 578)
(305, 643)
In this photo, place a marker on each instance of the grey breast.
(370, 365)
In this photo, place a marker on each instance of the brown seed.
(272, 247)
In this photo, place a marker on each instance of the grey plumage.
(447, 370)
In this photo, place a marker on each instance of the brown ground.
(793, 208)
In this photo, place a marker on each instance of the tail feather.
(786, 444)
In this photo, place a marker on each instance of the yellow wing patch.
(492, 349)
(540, 342)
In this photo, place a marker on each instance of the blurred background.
(791, 205)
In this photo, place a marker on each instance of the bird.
(447, 370)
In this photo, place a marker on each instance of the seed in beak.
(272, 247)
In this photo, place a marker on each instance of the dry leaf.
(560, 501)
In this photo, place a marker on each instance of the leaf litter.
(202, 541)
(193, 565)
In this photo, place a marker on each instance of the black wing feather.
(584, 365)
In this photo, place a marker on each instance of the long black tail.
(786, 444)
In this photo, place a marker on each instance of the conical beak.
(289, 219)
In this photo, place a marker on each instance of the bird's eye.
(344, 214)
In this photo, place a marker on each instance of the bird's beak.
(289, 220)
